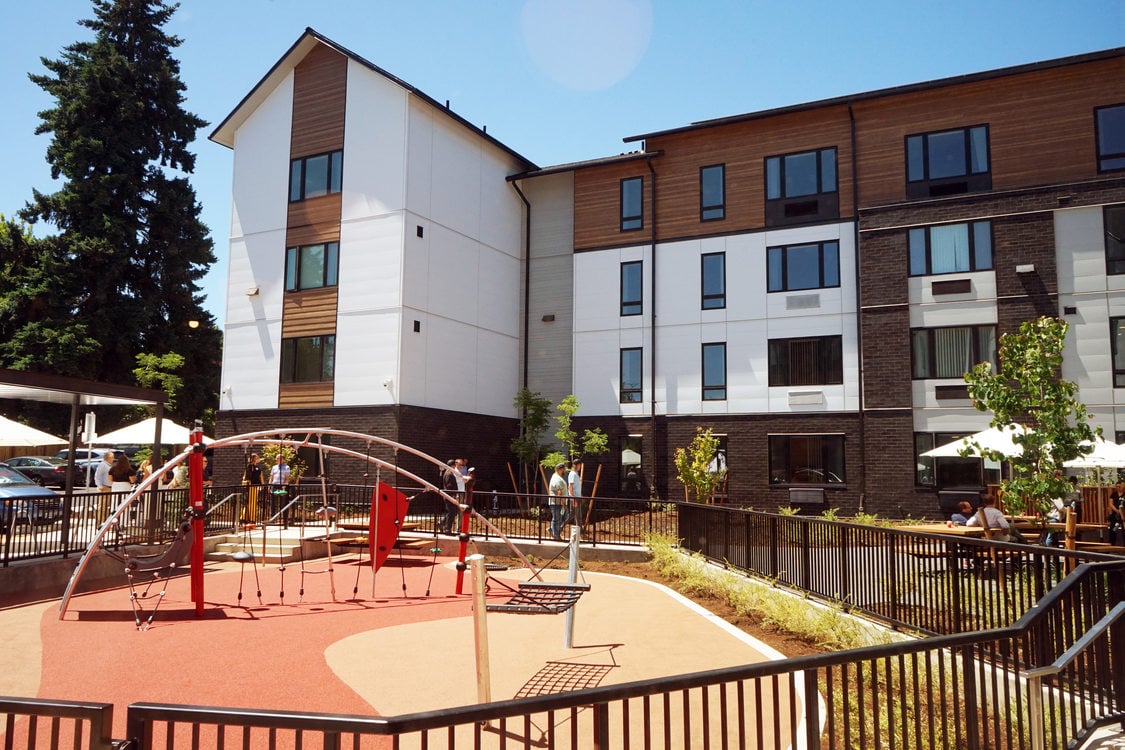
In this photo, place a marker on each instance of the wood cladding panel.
(319, 93)
(1041, 126)
(305, 395)
(314, 220)
(309, 313)
(597, 205)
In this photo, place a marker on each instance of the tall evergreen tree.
(130, 234)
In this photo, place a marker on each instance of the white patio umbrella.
(994, 438)
(630, 457)
(13, 433)
(1105, 455)
(144, 433)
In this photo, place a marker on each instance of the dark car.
(86, 462)
(23, 501)
(43, 470)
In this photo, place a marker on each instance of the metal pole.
(572, 577)
(195, 493)
(480, 629)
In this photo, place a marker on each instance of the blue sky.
(556, 80)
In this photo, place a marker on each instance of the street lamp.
(193, 324)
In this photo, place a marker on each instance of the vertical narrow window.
(712, 192)
(632, 288)
(714, 372)
(1113, 219)
(632, 203)
(1117, 347)
(714, 276)
(630, 392)
(1110, 125)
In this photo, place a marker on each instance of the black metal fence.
(1004, 610)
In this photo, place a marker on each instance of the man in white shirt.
(996, 524)
(104, 485)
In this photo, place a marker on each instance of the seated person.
(994, 520)
(963, 514)
(1116, 526)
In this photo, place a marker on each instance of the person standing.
(121, 473)
(454, 485)
(105, 485)
(559, 500)
(279, 481)
(252, 478)
(574, 486)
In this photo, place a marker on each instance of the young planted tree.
(125, 268)
(697, 469)
(1028, 389)
(535, 415)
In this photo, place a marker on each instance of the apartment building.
(809, 282)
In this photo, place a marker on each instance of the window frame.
(717, 390)
(298, 175)
(926, 186)
(976, 356)
(290, 366)
(1116, 156)
(713, 211)
(630, 395)
(713, 300)
(828, 451)
(781, 170)
(974, 264)
(632, 222)
(783, 251)
(330, 267)
(830, 363)
(1118, 322)
(1114, 266)
(628, 306)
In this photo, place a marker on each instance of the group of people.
(564, 493)
(456, 479)
(999, 528)
(253, 476)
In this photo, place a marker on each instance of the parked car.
(84, 458)
(43, 470)
(23, 501)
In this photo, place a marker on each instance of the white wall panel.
(451, 361)
(366, 355)
(250, 369)
(497, 292)
(374, 145)
(454, 273)
(496, 374)
(919, 288)
(978, 312)
(371, 263)
(596, 379)
(455, 178)
(1080, 250)
(261, 165)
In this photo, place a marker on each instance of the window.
(714, 372)
(714, 274)
(313, 176)
(1113, 219)
(816, 360)
(632, 204)
(949, 472)
(631, 288)
(1117, 347)
(632, 472)
(311, 266)
(806, 459)
(951, 352)
(812, 266)
(947, 162)
(798, 175)
(1110, 124)
(712, 193)
(951, 248)
(310, 359)
(631, 376)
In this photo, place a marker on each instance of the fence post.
(601, 726)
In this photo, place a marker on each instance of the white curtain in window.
(953, 350)
(949, 248)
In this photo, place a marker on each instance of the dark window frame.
(716, 390)
(631, 395)
(1116, 322)
(783, 252)
(781, 170)
(330, 268)
(631, 222)
(1117, 158)
(925, 186)
(975, 263)
(713, 300)
(976, 356)
(291, 366)
(713, 211)
(829, 472)
(1113, 217)
(830, 361)
(630, 306)
(298, 175)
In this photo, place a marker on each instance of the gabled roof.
(224, 133)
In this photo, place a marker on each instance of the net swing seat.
(541, 598)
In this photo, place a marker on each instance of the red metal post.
(466, 517)
(195, 493)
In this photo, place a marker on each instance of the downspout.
(858, 322)
(652, 317)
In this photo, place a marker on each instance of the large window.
(310, 359)
(806, 459)
(799, 175)
(947, 162)
(313, 176)
(812, 266)
(1110, 123)
(951, 352)
(632, 204)
(1117, 347)
(630, 391)
(714, 372)
(631, 288)
(311, 266)
(1113, 218)
(951, 248)
(631, 450)
(816, 360)
(714, 275)
(712, 193)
